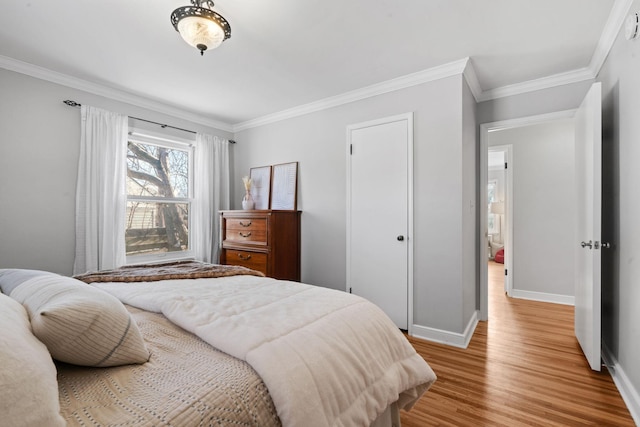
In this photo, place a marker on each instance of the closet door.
(379, 228)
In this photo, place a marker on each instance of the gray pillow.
(10, 278)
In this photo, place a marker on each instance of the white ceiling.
(286, 53)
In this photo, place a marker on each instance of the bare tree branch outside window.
(157, 186)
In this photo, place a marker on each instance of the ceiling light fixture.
(200, 26)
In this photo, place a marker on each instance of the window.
(493, 225)
(159, 198)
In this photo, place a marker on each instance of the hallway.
(522, 367)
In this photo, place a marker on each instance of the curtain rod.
(162, 125)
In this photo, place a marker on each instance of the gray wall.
(470, 202)
(318, 142)
(543, 206)
(621, 206)
(39, 149)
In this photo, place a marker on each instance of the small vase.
(247, 202)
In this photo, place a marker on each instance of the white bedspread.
(327, 357)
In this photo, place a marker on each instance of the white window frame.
(166, 141)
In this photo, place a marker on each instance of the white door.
(378, 214)
(588, 163)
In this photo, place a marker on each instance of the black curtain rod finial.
(72, 103)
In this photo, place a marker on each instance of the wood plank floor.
(523, 367)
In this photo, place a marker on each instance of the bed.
(202, 345)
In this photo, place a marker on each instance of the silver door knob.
(400, 238)
(585, 244)
(605, 245)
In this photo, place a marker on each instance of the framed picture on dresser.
(261, 186)
(284, 186)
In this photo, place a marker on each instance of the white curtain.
(211, 194)
(100, 191)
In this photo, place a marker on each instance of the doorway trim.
(408, 117)
(485, 128)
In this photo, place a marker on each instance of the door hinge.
(506, 272)
(349, 290)
(351, 149)
(506, 165)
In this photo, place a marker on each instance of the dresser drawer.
(253, 260)
(252, 230)
(264, 240)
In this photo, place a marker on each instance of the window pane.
(156, 227)
(492, 224)
(491, 191)
(157, 171)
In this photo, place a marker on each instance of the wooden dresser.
(263, 240)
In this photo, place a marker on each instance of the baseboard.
(543, 297)
(446, 337)
(628, 392)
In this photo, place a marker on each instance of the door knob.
(605, 245)
(585, 244)
(400, 238)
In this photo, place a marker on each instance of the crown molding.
(526, 121)
(420, 77)
(607, 39)
(560, 79)
(610, 32)
(108, 92)
(463, 66)
(472, 80)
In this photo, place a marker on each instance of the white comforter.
(327, 357)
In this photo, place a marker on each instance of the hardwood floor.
(522, 367)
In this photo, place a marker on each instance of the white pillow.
(80, 324)
(28, 385)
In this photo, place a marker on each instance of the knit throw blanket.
(166, 271)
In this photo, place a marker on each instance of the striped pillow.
(80, 324)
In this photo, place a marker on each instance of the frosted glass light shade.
(200, 32)
(200, 26)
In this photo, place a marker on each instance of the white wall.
(318, 142)
(621, 212)
(543, 207)
(39, 149)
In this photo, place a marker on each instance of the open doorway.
(537, 221)
(498, 192)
